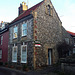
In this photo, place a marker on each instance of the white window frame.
(13, 54)
(0, 54)
(1, 40)
(26, 54)
(24, 29)
(15, 32)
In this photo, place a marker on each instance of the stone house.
(34, 35)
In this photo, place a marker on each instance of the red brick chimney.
(23, 7)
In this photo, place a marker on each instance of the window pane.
(1, 39)
(24, 29)
(24, 54)
(15, 29)
(14, 55)
(25, 32)
(15, 32)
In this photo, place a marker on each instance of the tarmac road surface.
(6, 71)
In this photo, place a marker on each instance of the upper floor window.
(14, 54)
(1, 40)
(49, 10)
(0, 54)
(24, 54)
(24, 29)
(15, 32)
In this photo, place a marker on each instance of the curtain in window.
(0, 54)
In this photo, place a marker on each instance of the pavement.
(44, 71)
(8, 71)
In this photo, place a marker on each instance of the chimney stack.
(23, 7)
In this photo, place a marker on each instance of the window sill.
(23, 62)
(24, 35)
(14, 38)
(14, 61)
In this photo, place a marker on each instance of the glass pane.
(0, 52)
(24, 54)
(15, 54)
(25, 32)
(24, 29)
(15, 29)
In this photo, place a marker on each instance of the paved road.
(6, 71)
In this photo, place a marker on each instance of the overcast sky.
(64, 8)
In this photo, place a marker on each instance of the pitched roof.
(73, 34)
(26, 13)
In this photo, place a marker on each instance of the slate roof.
(26, 13)
(71, 33)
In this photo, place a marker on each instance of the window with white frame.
(73, 50)
(24, 54)
(14, 54)
(1, 40)
(0, 54)
(15, 32)
(24, 29)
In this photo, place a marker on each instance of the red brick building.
(4, 36)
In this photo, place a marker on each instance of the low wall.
(69, 68)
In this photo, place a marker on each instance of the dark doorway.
(49, 56)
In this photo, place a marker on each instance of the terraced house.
(34, 35)
(4, 39)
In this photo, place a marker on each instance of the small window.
(24, 29)
(49, 10)
(67, 40)
(24, 54)
(14, 54)
(0, 54)
(73, 50)
(1, 40)
(15, 32)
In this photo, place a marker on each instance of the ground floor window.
(14, 54)
(24, 54)
(0, 54)
(73, 50)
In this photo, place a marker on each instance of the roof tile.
(73, 34)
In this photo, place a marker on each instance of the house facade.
(4, 38)
(34, 35)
